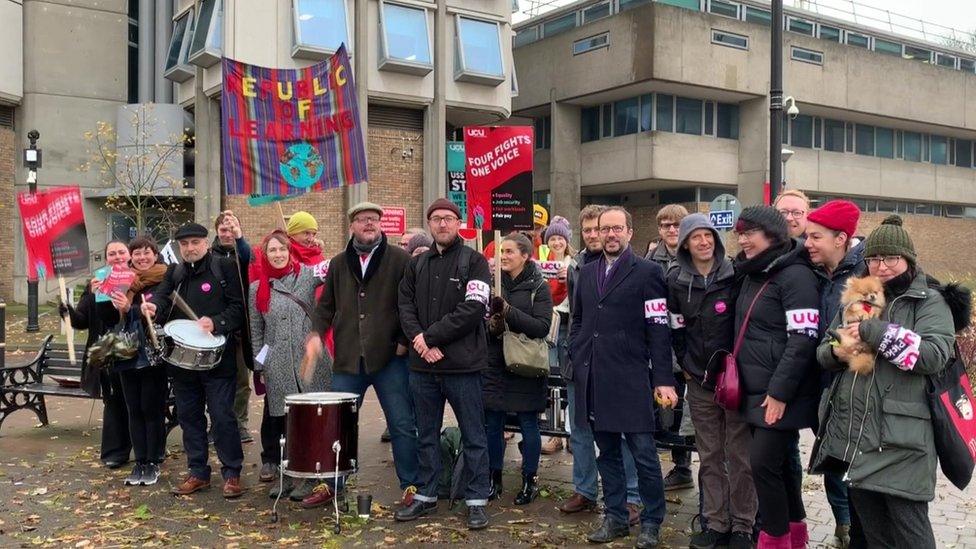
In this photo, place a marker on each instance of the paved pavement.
(53, 492)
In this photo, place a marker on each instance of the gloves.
(496, 325)
(63, 309)
(498, 306)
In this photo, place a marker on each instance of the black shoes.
(495, 489)
(135, 477)
(415, 510)
(647, 538)
(740, 540)
(150, 474)
(608, 531)
(477, 517)
(528, 492)
(709, 539)
(678, 479)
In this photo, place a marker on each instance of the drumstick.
(307, 369)
(149, 322)
(183, 306)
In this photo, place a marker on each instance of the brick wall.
(8, 157)
(393, 181)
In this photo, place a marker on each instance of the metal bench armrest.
(29, 372)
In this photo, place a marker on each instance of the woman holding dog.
(875, 423)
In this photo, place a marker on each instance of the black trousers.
(116, 445)
(272, 429)
(778, 486)
(891, 521)
(145, 391)
(212, 391)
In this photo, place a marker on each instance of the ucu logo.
(655, 307)
(476, 132)
(802, 319)
(806, 318)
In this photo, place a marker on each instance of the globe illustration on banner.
(301, 165)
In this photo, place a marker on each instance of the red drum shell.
(314, 423)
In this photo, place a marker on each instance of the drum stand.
(337, 448)
(281, 479)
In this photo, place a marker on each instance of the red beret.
(838, 215)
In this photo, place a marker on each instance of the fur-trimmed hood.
(959, 299)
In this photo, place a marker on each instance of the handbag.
(950, 399)
(728, 393)
(525, 356)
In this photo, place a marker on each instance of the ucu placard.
(803, 321)
(656, 311)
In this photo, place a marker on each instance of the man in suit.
(619, 324)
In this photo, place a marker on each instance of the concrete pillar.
(358, 193)
(753, 150)
(147, 51)
(164, 30)
(564, 163)
(206, 168)
(435, 117)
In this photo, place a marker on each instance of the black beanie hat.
(767, 218)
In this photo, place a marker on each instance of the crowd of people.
(641, 342)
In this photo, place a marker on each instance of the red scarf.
(267, 273)
(306, 255)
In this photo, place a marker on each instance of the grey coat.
(283, 330)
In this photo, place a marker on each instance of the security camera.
(34, 135)
(792, 111)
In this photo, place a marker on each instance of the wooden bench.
(24, 386)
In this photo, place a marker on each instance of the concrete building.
(646, 103)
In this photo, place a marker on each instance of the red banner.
(394, 220)
(499, 177)
(53, 222)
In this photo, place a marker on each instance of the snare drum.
(187, 346)
(322, 431)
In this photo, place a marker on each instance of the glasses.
(890, 261)
(615, 229)
(667, 226)
(369, 220)
(747, 234)
(448, 219)
(591, 230)
(795, 214)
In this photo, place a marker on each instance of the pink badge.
(720, 307)
(205, 287)
(147, 297)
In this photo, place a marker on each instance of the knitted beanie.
(767, 218)
(837, 215)
(443, 204)
(299, 222)
(890, 238)
(558, 227)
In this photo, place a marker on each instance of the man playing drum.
(210, 287)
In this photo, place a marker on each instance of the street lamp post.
(776, 100)
(32, 160)
(786, 155)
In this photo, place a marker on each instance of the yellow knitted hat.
(300, 222)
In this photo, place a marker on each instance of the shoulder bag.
(728, 393)
(525, 356)
(950, 398)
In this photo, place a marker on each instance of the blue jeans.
(584, 457)
(392, 386)
(834, 487)
(531, 440)
(650, 483)
(463, 393)
(193, 392)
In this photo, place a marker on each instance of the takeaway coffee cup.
(364, 504)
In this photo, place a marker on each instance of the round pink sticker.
(205, 287)
(720, 307)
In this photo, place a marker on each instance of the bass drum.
(322, 435)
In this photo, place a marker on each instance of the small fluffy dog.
(862, 298)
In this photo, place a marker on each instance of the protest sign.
(114, 279)
(550, 269)
(394, 220)
(290, 131)
(456, 178)
(53, 223)
(499, 177)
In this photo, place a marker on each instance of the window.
(646, 104)
(626, 115)
(558, 25)
(850, 137)
(526, 36)
(729, 39)
(938, 149)
(405, 39)
(800, 26)
(757, 15)
(918, 54)
(807, 56)
(727, 121)
(478, 54)
(833, 135)
(594, 13)
(817, 132)
(829, 33)
(320, 28)
(177, 68)
(864, 140)
(964, 153)
(967, 65)
(912, 146)
(884, 142)
(925, 209)
(709, 118)
(606, 114)
(132, 69)
(723, 7)
(944, 60)
(543, 132)
(688, 116)
(664, 109)
(858, 40)
(801, 130)
(205, 45)
(591, 43)
(624, 5)
(589, 124)
(887, 46)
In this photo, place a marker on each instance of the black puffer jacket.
(507, 392)
(778, 353)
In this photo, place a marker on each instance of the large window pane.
(205, 43)
(833, 135)
(607, 122)
(918, 54)
(709, 118)
(558, 25)
(758, 15)
(665, 112)
(944, 60)
(912, 146)
(320, 26)
(722, 7)
(938, 149)
(688, 116)
(526, 36)
(727, 121)
(964, 153)
(405, 32)
(801, 129)
(858, 40)
(884, 142)
(864, 140)
(625, 117)
(176, 68)
(646, 104)
(829, 33)
(967, 65)
(591, 43)
(887, 46)
(589, 124)
(596, 12)
(480, 50)
(800, 26)
(689, 4)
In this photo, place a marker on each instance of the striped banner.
(290, 131)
